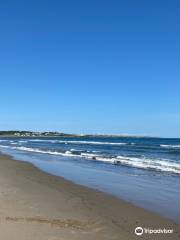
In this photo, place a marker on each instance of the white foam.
(92, 142)
(170, 146)
(3, 146)
(75, 150)
(78, 142)
(89, 155)
(37, 150)
(43, 140)
(163, 165)
(154, 164)
(66, 154)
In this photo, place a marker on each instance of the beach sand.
(38, 206)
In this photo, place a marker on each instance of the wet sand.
(38, 206)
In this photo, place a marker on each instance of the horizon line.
(92, 134)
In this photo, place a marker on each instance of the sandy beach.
(36, 205)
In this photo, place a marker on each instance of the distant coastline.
(13, 133)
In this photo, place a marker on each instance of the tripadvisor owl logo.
(138, 231)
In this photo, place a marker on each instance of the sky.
(94, 66)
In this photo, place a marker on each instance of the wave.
(37, 150)
(170, 146)
(72, 142)
(43, 140)
(78, 142)
(93, 142)
(163, 165)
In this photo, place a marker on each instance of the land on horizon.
(19, 133)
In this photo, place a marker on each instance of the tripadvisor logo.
(139, 231)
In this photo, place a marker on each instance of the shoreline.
(38, 205)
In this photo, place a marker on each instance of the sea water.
(144, 171)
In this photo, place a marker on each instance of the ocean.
(141, 170)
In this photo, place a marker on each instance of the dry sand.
(38, 206)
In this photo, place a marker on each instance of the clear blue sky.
(90, 66)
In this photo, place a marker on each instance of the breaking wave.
(94, 142)
(163, 165)
(79, 142)
(170, 146)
